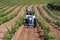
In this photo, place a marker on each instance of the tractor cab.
(29, 13)
(30, 19)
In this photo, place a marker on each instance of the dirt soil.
(53, 26)
(9, 24)
(52, 29)
(25, 33)
(30, 33)
(47, 15)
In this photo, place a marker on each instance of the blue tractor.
(30, 19)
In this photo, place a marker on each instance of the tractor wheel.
(26, 22)
(35, 23)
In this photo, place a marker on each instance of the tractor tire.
(35, 23)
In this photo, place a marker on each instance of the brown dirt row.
(16, 37)
(9, 24)
(52, 14)
(25, 33)
(52, 29)
(39, 30)
(47, 15)
(30, 7)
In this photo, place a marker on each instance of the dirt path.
(52, 29)
(25, 33)
(30, 7)
(10, 23)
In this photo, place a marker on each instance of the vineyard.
(12, 15)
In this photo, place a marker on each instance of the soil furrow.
(19, 35)
(52, 26)
(52, 29)
(39, 27)
(47, 15)
(25, 33)
(30, 7)
(9, 24)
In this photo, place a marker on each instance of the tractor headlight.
(30, 18)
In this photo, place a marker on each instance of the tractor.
(30, 19)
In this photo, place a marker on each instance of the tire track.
(10, 23)
(32, 35)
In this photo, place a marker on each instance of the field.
(24, 1)
(55, 4)
(13, 13)
(56, 12)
